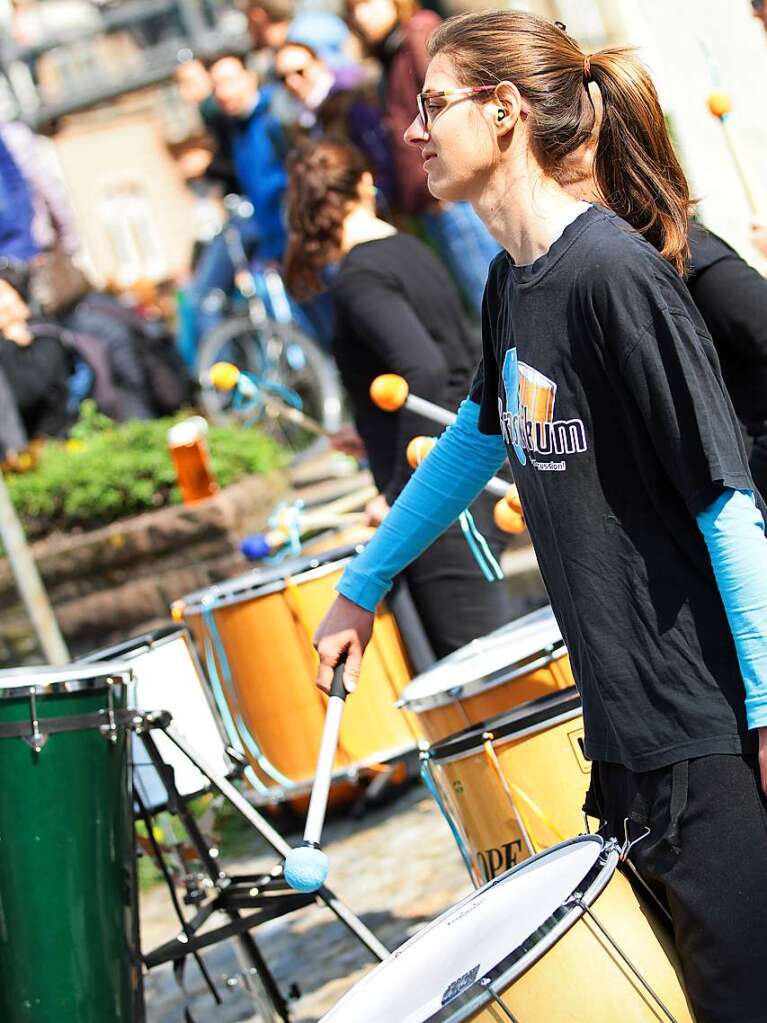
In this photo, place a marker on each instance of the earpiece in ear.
(501, 114)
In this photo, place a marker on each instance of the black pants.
(37, 375)
(706, 857)
(455, 602)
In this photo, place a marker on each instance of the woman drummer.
(396, 311)
(600, 381)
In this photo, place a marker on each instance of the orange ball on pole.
(389, 392)
(720, 103)
(418, 449)
(507, 519)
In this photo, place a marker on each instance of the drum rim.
(315, 568)
(136, 645)
(42, 679)
(535, 660)
(541, 658)
(526, 719)
(522, 958)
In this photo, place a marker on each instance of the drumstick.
(419, 448)
(262, 545)
(225, 376)
(306, 867)
(391, 392)
(720, 105)
(327, 516)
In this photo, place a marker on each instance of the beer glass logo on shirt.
(528, 423)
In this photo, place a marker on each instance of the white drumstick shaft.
(318, 803)
(429, 410)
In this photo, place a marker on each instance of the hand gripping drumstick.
(507, 513)
(225, 376)
(720, 105)
(306, 867)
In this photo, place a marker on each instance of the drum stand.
(268, 895)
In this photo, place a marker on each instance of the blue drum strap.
(229, 725)
(430, 784)
(242, 729)
(478, 546)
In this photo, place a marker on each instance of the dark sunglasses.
(301, 71)
(757, 6)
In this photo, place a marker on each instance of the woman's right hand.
(345, 629)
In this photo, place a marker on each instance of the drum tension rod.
(487, 984)
(578, 900)
(36, 740)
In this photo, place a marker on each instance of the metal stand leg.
(177, 804)
(278, 843)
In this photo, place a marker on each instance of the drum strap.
(98, 720)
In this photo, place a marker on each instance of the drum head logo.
(526, 412)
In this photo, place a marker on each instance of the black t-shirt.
(397, 311)
(732, 298)
(601, 376)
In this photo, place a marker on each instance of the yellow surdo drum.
(515, 784)
(256, 635)
(561, 938)
(513, 664)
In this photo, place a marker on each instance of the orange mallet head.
(418, 449)
(507, 513)
(389, 392)
(224, 376)
(720, 103)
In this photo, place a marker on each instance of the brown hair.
(635, 166)
(323, 179)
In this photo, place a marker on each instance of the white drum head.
(487, 661)
(496, 932)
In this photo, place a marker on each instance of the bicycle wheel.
(284, 358)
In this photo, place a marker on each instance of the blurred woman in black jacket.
(397, 311)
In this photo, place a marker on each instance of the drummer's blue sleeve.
(447, 482)
(733, 528)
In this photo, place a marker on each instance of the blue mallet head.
(255, 547)
(306, 868)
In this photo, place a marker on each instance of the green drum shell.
(66, 874)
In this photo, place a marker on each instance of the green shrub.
(108, 471)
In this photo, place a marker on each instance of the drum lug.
(36, 740)
(109, 730)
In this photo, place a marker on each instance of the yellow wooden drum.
(256, 634)
(516, 663)
(515, 784)
(562, 938)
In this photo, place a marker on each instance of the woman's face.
(458, 147)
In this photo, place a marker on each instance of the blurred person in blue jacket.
(257, 146)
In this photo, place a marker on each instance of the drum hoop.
(533, 662)
(223, 591)
(529, 952)
(146, 641)
(479, 737)
(267, 589)
(108, 673)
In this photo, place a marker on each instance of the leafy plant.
(108, 471)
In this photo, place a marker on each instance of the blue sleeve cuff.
(733, 529)
(447, 482)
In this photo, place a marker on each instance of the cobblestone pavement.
(397, 868)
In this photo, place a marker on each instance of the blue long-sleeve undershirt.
(456, 471)
(733, 529)
(447, 482)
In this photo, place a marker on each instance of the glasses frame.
(469, 90)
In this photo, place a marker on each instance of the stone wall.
(114, 582)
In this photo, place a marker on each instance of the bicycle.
(267, 344)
